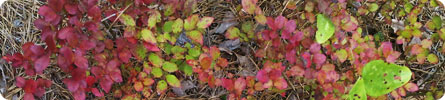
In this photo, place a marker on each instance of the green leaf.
(161, 86)
(148, 36)
(178, 50)
(373, 7)
(157, 72)
(155, 59)
(169, 9)
(232, 33)
(187, 69)
(195, 36)
(168, 48)
(261, 19)
(173, 81)
(127, 20)
(325, 29)
(177, 25)
(141, 52)
(194, 52)
(342, 55)
(358, 91)
(408, 7)
(170, 67)
(432, 58)
(153, 19)
(204, 22)
(381, 78)
(247, 26)
(168, 26)
(190, 22)
(437, 21)
(434, 3)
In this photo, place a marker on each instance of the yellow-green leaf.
(195, 36)
(205, 22)
(127, 20)
(173, 81)
(148, 36)
(168, 26)
(155, 60)
(190, 22)
(177, 25)
(170, 67)
(157, 72)
(325, 29)
(161, 86)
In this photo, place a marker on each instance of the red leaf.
(151, 47)
(71, 9)
(41, 63)
(80, 61)
(401, 91)
(280, 21)
(214, 52)
(48, 14)
(44, 83)
(138, 86)
(51, 44)
(57, 5)
(79, 95)
(20, 82)
(90, 81)
(96, 92)
(28, 69)
(280, 83)
(87, 44)
(296, 71)
(36, 50)
(106, 84)
(319, 58)
(332, 76)
(426, 43)
(395, 95)
(285, 35)
(114, 71)
(66, 32)
(206, 62)
(240, 85)
(71, 84)
(28, 96)
(416, 49)
(386, 48)
(315, 48)
(66, 58)
(291, 57)
(262, 76)
(297, 37)
(125, 55)
(40, 24)
(393, 57)
(271, 23)
(95, 13)
(411, 87)
(30, 86)
(290, 26)
(307, 59)
(227, 83)
(222, 62)
(350, 24)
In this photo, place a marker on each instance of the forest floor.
(17, 28)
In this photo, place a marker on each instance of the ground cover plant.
(174, 49)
